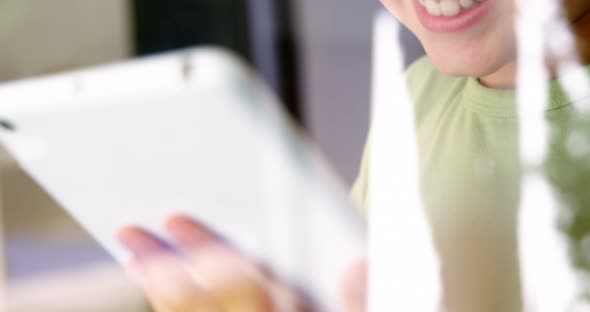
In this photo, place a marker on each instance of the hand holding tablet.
(207, 273)
(137, 142)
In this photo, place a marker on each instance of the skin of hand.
(198, 271)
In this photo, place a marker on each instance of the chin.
(469, 61)
(459, 67)
(479, 50)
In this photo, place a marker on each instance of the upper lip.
(438, 6)
(462, 20)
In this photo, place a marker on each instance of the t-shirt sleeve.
(358, 193)
(415, 76)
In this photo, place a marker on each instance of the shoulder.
(420, 67)
(416, 75)
(423, 77)
(429, 88)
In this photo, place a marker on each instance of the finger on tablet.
(190, 234)
(162, 274)
(354, 287)
(141, 243)
(169, 286)
(234, 279)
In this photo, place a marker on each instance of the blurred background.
(315, 54)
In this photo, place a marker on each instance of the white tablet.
(193, 132)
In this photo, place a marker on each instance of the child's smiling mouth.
(448, 7)
(451, 15)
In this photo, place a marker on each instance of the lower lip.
(447, 24)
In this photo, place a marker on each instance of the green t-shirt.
(470, 183)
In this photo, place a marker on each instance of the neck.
(505, 77)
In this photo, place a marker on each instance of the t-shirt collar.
(502, 103)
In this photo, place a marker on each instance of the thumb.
(354, 287)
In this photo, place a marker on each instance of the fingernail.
(142, 243)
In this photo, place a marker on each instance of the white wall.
(40, 37)
(41, 243)
(336, 58)
(336, 37)
(44, 36)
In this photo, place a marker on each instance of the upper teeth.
(447, 7)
